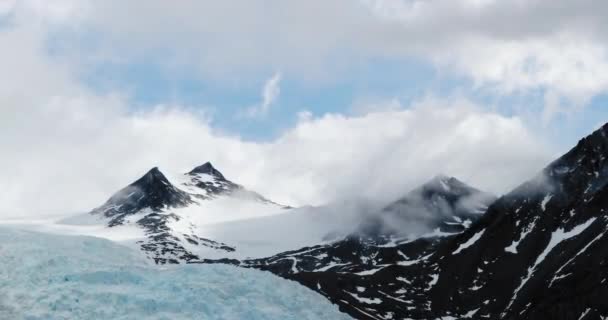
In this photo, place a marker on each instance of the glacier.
(45, 276)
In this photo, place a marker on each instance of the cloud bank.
(66, 148)
(556, 48)
(72, 153)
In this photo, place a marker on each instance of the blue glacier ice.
(45, 276)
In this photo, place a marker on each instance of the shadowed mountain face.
(538, 252)
(443, 204)
(152, 191)
(207, 168)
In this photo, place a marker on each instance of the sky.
(306, 102)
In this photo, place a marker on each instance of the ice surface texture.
(60, 277)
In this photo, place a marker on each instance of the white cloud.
(65, 148)
(517, 46)
(70, 154)
(6, 6)
(270, 93)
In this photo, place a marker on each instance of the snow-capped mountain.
(443, 251)
(173, 216)
(359, 272)
(201, 216)
(536, 253)
(444, 204)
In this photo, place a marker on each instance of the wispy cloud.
(270, 93)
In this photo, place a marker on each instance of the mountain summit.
(444, 204)
(207, 168)
(171, 215)
(152, 191)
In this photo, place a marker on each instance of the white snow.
(433, 282)
(409, 262)
(557, 237)
(293, 266)
(371, 271)
(584, 313)
(513, 247)
(402, 279)
(470, 242)
(256, 229)
(365, 300)
(557, 276)
(475, 288)
(225, 209)
(329, 266)
(269, 235)
(396, 299)
(470, 314)
(436, 234)
(74, 277)
(546, 200)
(395, 241)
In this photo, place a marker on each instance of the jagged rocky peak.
(578, 174)
(152, 177)
(152, 191)
(446, 185)
(206, 182)
(157, 192)
(441, 181)
(587, 158)
(443, 205)
(207, 168)
(444, 190)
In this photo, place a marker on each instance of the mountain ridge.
(533, 253)
(159, 207)
(536, 253)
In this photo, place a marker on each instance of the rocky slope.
(537, 253)
(367, 273)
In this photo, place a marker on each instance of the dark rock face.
(538, 252)
(207, 168)
(444, 204)
(152, 191)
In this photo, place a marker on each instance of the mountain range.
(444, 250)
